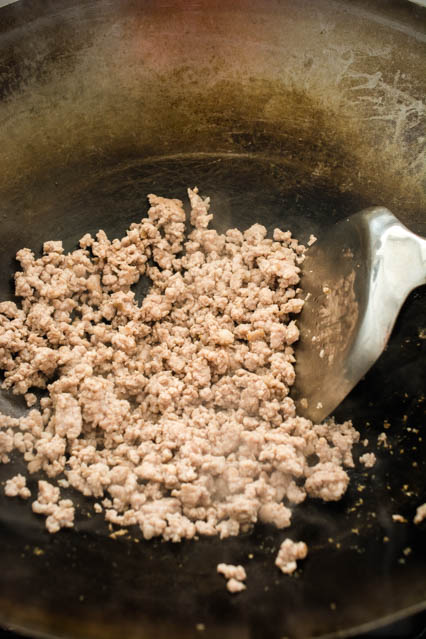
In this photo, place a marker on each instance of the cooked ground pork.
(382, 440)
(233, 585)
(17, 487)
(232, 572)
(368, 459)
(420, 514)
(59, 512)
(399, 518)
(174, 414)
(234, 575)
(289, 552)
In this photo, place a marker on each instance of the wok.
(294, 114)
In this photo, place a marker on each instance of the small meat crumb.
(399, 519)
(312, 239)
(289, 552)
(233, 585)
(230, 571)
(17, 487)
(234, 575)
(382, 440)
(59, 512)
(30, 399)
(420, 514)
(368, 459)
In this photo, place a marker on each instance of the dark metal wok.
(289, 113)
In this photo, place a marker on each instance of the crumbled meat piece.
(235, 575)
(232, 572)
(30, 399)
(174, 414)
(276, 514)
(289, 552)
(382, 440)
(233, 585)
(312, 239)
(328, 481)
(59, 512)
(17, 487)
(368, 459)
(420, 514)
(399, 519)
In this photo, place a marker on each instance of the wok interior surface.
(289, 116)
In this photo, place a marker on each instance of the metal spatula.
(356, 278)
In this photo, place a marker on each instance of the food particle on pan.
(17, 487)
(382, 440)
(234, 575)
(174, 413)
(230, 571)
(234, 586)
(368, 459)
(30, 399)
(119, 533)
(407, 492)
(59, 512)
(420, 514)
(399, 519)
(288, 554)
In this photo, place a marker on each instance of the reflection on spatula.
(355, 279)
